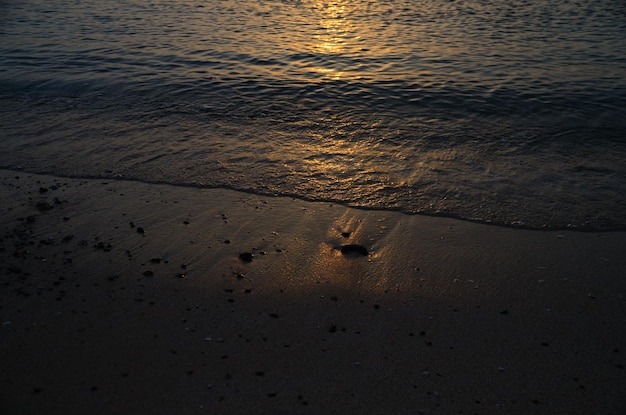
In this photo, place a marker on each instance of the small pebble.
(43, 206)
(246, 256)
(354, 249)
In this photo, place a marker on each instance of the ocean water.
(511, 113)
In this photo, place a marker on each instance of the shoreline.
(584, 228)
(128, 297)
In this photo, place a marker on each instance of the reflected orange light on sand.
(352, 271)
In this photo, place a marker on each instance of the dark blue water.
(512, 113)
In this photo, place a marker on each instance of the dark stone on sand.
(103, 247)
(13, 269)
(156, 260)
(42, 190)
(148, 273)
(140, 230)
(246, 256)
(354, 249)
(43, 206)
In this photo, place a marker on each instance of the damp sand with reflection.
(441, 316)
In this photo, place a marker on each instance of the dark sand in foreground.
(442, 316)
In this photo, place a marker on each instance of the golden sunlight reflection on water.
(333, 33)
(334, 26)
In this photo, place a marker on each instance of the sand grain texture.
(125, 297)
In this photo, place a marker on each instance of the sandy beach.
(120, 297)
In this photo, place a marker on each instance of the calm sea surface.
(509, 112)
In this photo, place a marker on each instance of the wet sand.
(120, 297)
